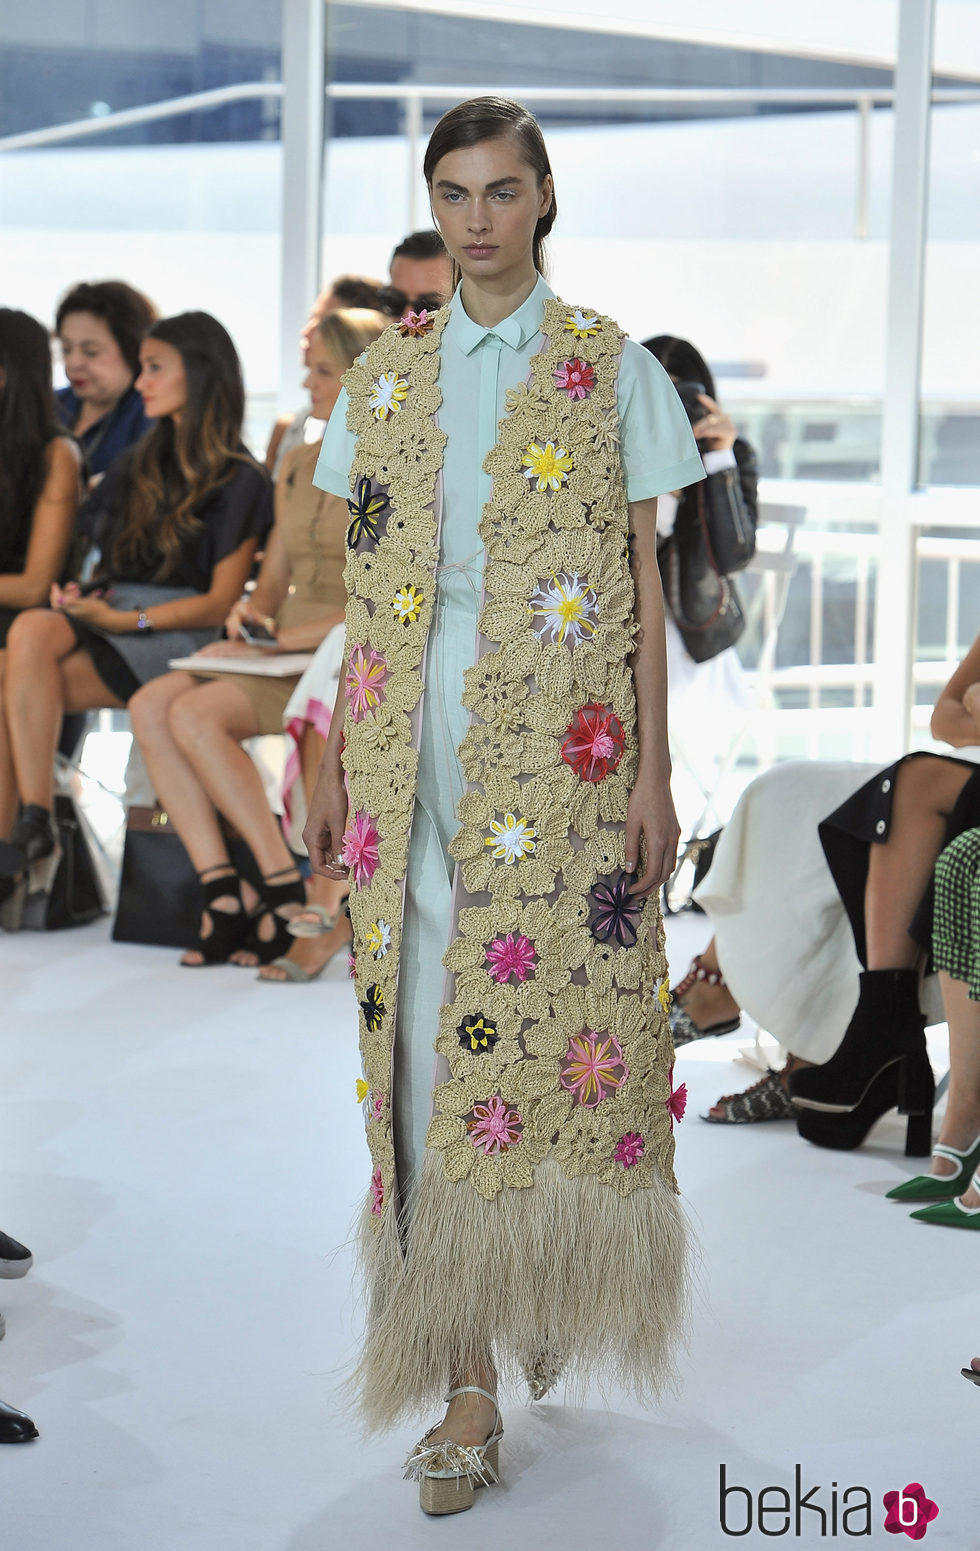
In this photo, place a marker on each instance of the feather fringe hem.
(568, 1272)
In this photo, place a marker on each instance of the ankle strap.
(472, 1389)
(954, 1153)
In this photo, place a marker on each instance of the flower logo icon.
(909, 1512)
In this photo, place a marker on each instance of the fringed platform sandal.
(682, 1026)
(543, 1374)
(448, 1473)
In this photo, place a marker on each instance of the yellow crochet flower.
(378, 938)
(406, 605)
(549, 465)
(567, 608)
(582, 324)
(387, 395)
(362, 1090)
(663, 992)
(511, 840)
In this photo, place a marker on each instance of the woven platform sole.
(445, 1492)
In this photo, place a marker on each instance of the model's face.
(322, 379)
(416, 278)
(162, 381)
(94, 364)
(486, 203)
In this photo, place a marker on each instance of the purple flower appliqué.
(614, 913)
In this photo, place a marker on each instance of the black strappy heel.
(272, 897)
(229, 928)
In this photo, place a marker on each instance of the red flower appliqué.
(511, 955)
(377, 1192)
(909, 1512)
(594, 744)
(414, 324)
(593, 1068)
(576, 378)
(630, 1149)
(494, 1127)
(677, 1103)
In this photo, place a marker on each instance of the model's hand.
(650, 815)
(716, 430)
(326, 819)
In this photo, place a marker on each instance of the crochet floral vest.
(553, 1033)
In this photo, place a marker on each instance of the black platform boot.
(885, 1029)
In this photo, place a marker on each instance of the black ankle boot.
(885, 1029)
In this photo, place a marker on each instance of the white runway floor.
(184, 1154)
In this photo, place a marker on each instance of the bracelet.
(143, 620)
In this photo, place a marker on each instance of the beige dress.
(312, 526)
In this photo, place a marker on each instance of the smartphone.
(257, 634)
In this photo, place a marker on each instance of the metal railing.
(415, 96)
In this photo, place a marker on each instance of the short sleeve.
(333, 466)
(241, 510)
(657, 447)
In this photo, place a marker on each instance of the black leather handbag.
(699, 594)
(75, 898)
(159, 895)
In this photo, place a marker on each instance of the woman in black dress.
(178, 520)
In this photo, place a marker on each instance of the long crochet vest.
(553, 1038)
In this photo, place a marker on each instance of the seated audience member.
(15, 1261)
(39, 492)
(421, 275)
(190, 727)
(953, 1182)
(181, 515)
(705, 675)
(847, 911)
(291, 431)
(99, 327)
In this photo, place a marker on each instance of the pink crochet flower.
(377, 1192)
(361, 849)
(494, 1127)
(630, 1149)
(595, 743)
(367, 675)
(593, 1068)
(677, 1103)
(511, 955)
(351, 966)
(377, 1105)
(576, 378)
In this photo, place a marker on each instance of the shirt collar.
(515, 330)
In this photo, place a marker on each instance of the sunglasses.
(395, 303)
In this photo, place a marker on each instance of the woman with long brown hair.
(178, 519)
(191, 725)
(506, 818)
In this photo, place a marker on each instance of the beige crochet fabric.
(544, 1224)
(536, 832)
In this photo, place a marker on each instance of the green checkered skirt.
(956, 918)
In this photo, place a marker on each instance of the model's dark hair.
(177, 463)
(126, 313)
(494, 118)
(28, 421)
(420, 245)
(679, 359)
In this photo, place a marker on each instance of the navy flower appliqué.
(367, 507)
(614, 913)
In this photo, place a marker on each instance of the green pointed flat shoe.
(950, 1214)
(935, 1187)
